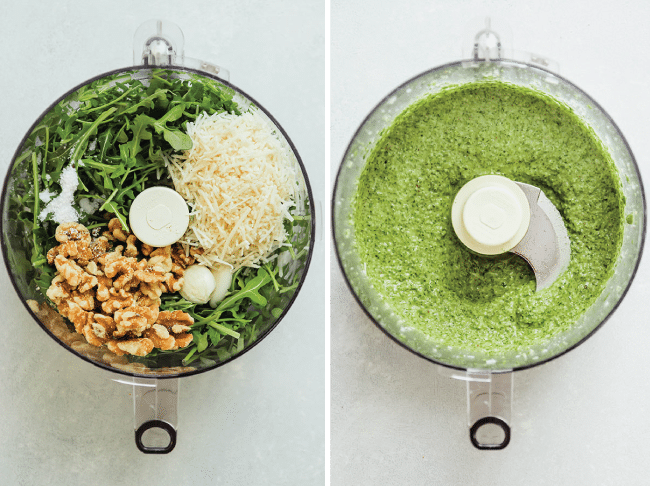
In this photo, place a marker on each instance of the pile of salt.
(61, 206)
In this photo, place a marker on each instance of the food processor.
(158, 45)
(489, 377)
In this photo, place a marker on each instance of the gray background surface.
(579, 420)
(259, 420)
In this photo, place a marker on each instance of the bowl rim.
(310, 198)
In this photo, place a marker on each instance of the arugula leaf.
(81, 144)
(214, 335)
(178, 140)
(140, 132)
(172, 115)
(112, 208)
(201, 341)
(250, 291)
(224, 329)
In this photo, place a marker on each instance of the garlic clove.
(223, 278)
(198, 284)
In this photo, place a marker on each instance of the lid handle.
(489, 39)
(158, 43)
(161, 43)
(487, 44)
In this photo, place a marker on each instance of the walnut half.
(113, 297)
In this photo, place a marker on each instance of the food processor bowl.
(18, 243)
(472, 364)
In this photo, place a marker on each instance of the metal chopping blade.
(546, 245)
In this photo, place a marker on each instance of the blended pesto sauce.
(402, 215)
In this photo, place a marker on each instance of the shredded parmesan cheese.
(240, 181)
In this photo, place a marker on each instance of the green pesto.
(403, 226)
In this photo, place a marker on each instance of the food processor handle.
(155, 416)
(489, 406)
(489, 39)
(161, 43)
(489, 409)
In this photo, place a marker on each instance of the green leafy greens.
(116, 132)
